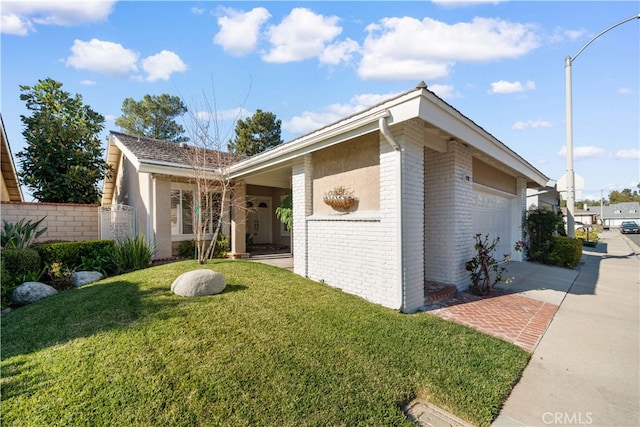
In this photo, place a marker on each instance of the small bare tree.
(213, 195)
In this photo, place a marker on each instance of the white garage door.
(492, 216)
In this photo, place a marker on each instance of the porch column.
(302, 185)
(239, 221)
(162, 215)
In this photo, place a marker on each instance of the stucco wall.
(162, 220)
(354, 165)
(4, 191)
(64, 221)
(488, 175)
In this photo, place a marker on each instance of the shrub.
(187, 249)
(70, 253)
(60, 276)
(566, 252)
(21, 260)
(483, 268)
(541, 225)
(18, 265)
(132, 253)
(21, 234)
(100, 260)
(587, 235)
(222, 244)
(7, 285)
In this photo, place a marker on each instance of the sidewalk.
(585, 369)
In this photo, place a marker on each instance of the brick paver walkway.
(514, 318)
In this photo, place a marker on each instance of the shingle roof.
(155, 150)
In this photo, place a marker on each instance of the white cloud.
(301, 35)
(444, 91)
(239, 31)
(584, 152)
(459, 3)
(110, 118)
(20, 17)
(625, 91)
(197, 10)
(101, 56)
(232, 114)
(632, 154)
(15, 25)
(161, 65)
(504, 87)
(87, 82)
(562, 34)
(531, 124)
(407, 48)
(342, 51)
(309, 121)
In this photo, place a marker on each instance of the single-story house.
(583, 216)
(547, 197)
(424, 180)
(613, 215)
(10, 190)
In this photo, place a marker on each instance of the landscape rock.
(29, 292)
(199, 282)
(81, 278)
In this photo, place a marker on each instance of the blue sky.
(311, 63)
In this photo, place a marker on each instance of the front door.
(259, 219)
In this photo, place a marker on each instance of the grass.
(272, 349)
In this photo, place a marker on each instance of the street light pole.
(571, 191)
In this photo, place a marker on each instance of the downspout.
(384, 130)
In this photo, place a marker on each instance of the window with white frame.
(183, 209)
(181, 212)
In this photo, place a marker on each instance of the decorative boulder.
(81, 278)
(30, 292)
(199, 282)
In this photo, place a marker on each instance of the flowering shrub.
(484, 269)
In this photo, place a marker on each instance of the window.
(181, 212)
(618, 211)
(633, 210)
(183, 208)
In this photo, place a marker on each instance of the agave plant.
(21, 234)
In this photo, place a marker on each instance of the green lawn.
(272, 349)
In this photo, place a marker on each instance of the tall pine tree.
(256, 134)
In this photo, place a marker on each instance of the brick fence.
(64, 221)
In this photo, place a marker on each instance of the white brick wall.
(358, 253)
(413, 214)
(448, 209)
(302, 185)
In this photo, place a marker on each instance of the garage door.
(492, 216)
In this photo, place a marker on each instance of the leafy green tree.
(256, 134)
(154, 117)
(63, 161)
(625, 195)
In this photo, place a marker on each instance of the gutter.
(384, 130)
